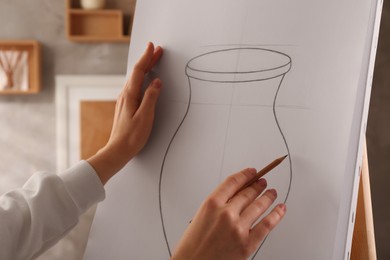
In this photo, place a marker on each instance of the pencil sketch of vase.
(232, 107)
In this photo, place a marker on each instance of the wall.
(27, 123)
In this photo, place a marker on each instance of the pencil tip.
(284, 157)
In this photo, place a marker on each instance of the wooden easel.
(363, 242)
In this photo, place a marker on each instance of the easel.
(363, 242)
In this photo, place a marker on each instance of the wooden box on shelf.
(94, 25)
(20, 67)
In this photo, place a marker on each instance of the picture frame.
(70, 92)
(20, 67)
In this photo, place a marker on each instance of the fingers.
(258, 207)
(149, 101)
(245, 197)
(232, 184)
(140, 68)
(134, 85)
(156, 57)
(265, 226)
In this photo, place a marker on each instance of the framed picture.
(20, 63)
(85, 107)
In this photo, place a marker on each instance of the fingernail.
(273, 192)
(262, 182)
(252, 171)
(157, 83)
(283, 207)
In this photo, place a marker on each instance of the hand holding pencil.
(225, 226)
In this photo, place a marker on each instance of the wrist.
(107, 163)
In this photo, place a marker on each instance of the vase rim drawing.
(237, 65)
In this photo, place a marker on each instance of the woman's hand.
(133, 119)
(223, 227)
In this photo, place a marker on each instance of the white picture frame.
(70, 90)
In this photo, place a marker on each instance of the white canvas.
(245, 82)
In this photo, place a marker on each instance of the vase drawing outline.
(236, 75)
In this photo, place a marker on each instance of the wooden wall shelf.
(32, 65)
(94, 25)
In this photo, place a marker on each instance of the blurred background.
(28, 124)
(378, 139)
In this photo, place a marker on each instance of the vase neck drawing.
(229, 76)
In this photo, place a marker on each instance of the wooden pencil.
(264, 171)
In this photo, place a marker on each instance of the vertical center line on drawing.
(229, 118)
(233, 92)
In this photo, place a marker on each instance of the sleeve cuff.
(83, 185)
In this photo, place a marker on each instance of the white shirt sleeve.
(35, 217)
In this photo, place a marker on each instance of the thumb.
(149, 101)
